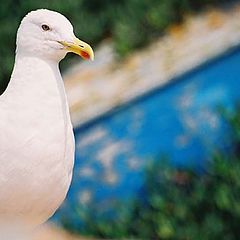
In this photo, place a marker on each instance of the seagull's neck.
(36, 77)
(32, 73)
(36, 84)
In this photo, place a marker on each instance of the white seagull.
(36, 136)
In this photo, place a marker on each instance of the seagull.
(36, 135)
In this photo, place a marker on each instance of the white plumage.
(36, 137)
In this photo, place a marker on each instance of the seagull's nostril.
(81, 46)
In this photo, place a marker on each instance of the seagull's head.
(48, 34)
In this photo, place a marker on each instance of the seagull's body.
(37, 145)
(36, 136)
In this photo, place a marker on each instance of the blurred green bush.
(179, 204)
(131, 23)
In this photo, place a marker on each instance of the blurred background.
(156, 118)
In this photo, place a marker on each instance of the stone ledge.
(52, 232)
(96, 87)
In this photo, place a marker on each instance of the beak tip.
(80, 48)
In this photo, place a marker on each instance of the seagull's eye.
(45, 27)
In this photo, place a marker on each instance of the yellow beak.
(80, 48)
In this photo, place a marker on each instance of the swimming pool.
(180, 120)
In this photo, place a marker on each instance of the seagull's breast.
(36, 141)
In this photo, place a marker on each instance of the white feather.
(36, 137)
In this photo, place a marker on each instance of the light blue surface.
(179, 120)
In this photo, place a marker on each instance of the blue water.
(180, 120)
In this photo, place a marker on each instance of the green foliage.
(179, 204)
(131, 23)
